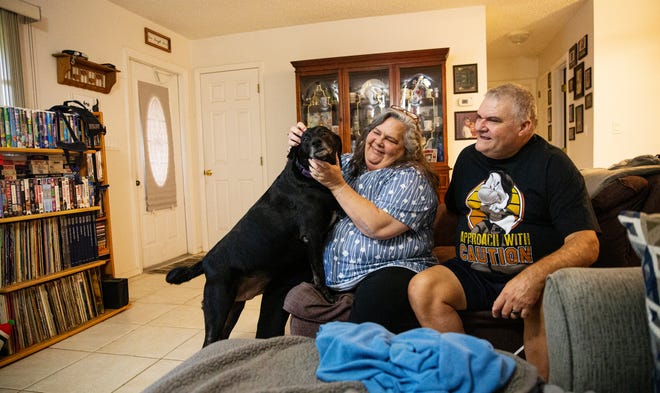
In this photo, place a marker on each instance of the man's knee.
(434, 285)
(426, 280)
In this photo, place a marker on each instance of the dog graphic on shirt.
(495, 195)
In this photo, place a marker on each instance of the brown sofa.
(628, 188)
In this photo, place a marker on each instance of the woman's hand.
(295, 133)
(367, 217)
(327, 174)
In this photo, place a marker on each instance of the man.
(521, 211)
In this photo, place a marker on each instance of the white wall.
(104, 32)
(521, 70)
(626, 79)
(276, 48)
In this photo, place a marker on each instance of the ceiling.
(196, 19)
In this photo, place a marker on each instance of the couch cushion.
(644, 233)
(652, 203)
(624, 193)
(596, 328)
(309, 309)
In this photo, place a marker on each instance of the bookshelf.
(55, 232)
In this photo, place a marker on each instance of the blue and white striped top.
(406, 195)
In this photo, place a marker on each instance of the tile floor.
(129, 351)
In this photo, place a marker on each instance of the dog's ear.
(292, 152)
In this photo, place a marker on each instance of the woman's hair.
(413, 142)
(524, 104)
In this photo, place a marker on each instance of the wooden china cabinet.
(346, 93)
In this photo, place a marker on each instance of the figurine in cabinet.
(319, 107)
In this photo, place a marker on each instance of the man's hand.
(519, 295)
(522, 293)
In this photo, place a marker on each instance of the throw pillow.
(644, 234)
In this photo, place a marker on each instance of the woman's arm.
(372, 221)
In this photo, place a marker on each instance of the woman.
(387, 191)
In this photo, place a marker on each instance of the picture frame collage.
(465, 81)
(580, 85)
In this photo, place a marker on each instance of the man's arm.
(522, 292)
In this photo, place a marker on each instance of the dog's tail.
(180, 275)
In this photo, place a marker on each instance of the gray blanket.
(280, 364)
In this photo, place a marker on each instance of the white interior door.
(233, 163)
(162, 230)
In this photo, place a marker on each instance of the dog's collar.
(305, 172)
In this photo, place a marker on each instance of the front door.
(156, 129)
(233, 159)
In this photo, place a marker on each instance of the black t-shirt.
(513, 212)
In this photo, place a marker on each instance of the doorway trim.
(559, 92)
(183, 83)
(198, 72)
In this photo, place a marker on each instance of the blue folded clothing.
(419, 360)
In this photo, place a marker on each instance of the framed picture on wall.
(571, 113)
(571, 133)
(579, 119)
(588, 101)
(465, 79)
(578, 75)
(157, 40)
(572, 56)
(571, 85)
(587, 79)
(464, 122)
(582, 47)
(549, 132)
(549, 80)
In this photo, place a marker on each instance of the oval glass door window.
(157, 141)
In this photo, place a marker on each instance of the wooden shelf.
(52, 276)
(47, 343)
(78, 72)
(26, 217)
(43, 151)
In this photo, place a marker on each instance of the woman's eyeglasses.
(409, 114)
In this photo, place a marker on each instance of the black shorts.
(481, 289)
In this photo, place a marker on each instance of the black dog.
(282, 235)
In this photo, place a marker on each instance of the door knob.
(208, 172)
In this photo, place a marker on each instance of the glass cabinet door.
(319, 99)
(369, 95)
(421, 93)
